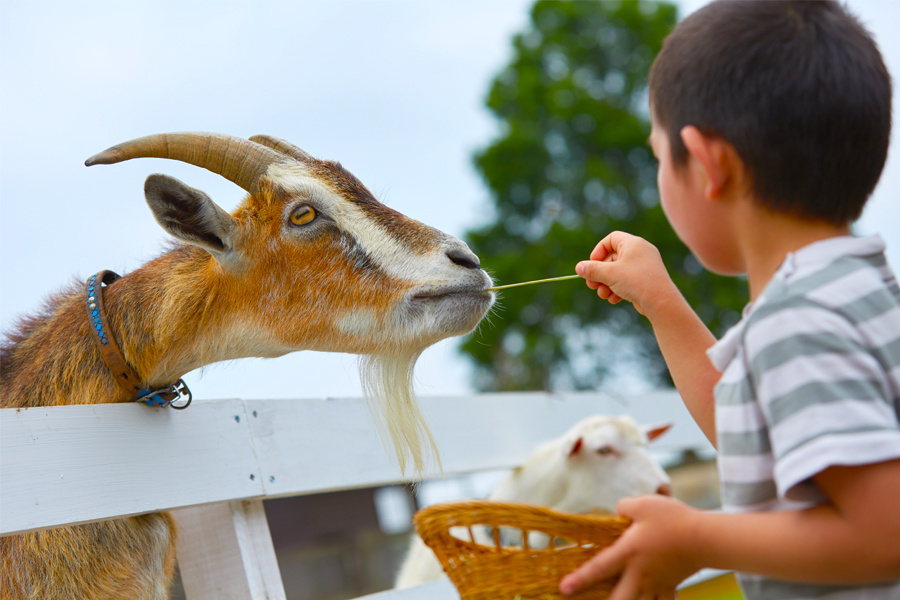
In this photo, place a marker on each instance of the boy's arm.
(626, 267)
(851, 540)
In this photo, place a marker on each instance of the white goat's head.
(310, 260)
(608, 458)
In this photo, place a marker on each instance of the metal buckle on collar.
(167, 396)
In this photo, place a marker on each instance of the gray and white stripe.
(811, 379)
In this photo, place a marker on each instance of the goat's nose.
(464, 259)
(664, 490)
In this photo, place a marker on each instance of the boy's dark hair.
(798, 88)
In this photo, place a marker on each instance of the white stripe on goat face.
(436, 297)
(424, 265)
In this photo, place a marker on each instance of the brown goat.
(309, 260)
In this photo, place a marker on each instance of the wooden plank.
(77, 464)
(225, 552)
(691, 588)
(324, 445)
(435, 590)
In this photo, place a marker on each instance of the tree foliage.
(571, 165)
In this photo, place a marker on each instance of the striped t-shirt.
(810, 379)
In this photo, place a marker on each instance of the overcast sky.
(394, 90)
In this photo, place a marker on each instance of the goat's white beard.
(387, 382)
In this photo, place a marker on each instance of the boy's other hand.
(653, 555)
(626, 267)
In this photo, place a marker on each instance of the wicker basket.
(498, 572)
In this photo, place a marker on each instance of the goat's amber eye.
(606, 450)
(303, 215)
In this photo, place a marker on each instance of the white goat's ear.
(189, 214)
(654, 431)
(573, 447)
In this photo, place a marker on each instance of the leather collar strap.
(124, 375)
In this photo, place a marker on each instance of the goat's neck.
(169, 317)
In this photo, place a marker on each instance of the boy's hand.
(626, 267)
(653, 555)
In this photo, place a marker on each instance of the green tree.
(571, 165)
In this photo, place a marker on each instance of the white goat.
(591, 467)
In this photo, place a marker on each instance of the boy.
(771, 122)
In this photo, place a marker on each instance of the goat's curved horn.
(236, 159)
(282, 146)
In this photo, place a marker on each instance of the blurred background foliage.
(572, 164)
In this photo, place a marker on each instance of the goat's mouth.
(423, 295)
(443, 311)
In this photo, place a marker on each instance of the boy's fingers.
(611, 244)
(606, 255)
(592, 270)
(599, 253)
(605, 563)
(628, 587)
(626, 506)
(601, 249)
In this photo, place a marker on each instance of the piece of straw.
(512, 285)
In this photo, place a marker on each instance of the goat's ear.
(573, 446)
(189, 214)
(654, 431)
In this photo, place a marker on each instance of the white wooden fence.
(213, 464)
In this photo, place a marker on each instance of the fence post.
(225, 552)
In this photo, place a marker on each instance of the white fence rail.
(215, 462)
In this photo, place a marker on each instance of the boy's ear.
(716, 157)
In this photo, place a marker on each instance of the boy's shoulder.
(839, 292)
(846, 276)
(829, 301)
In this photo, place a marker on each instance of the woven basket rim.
(458, 513)
(492, 572)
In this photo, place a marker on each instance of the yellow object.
(723, 587)
(497, 572)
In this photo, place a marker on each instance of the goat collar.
(122, 372)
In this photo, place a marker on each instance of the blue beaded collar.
(123, 373)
